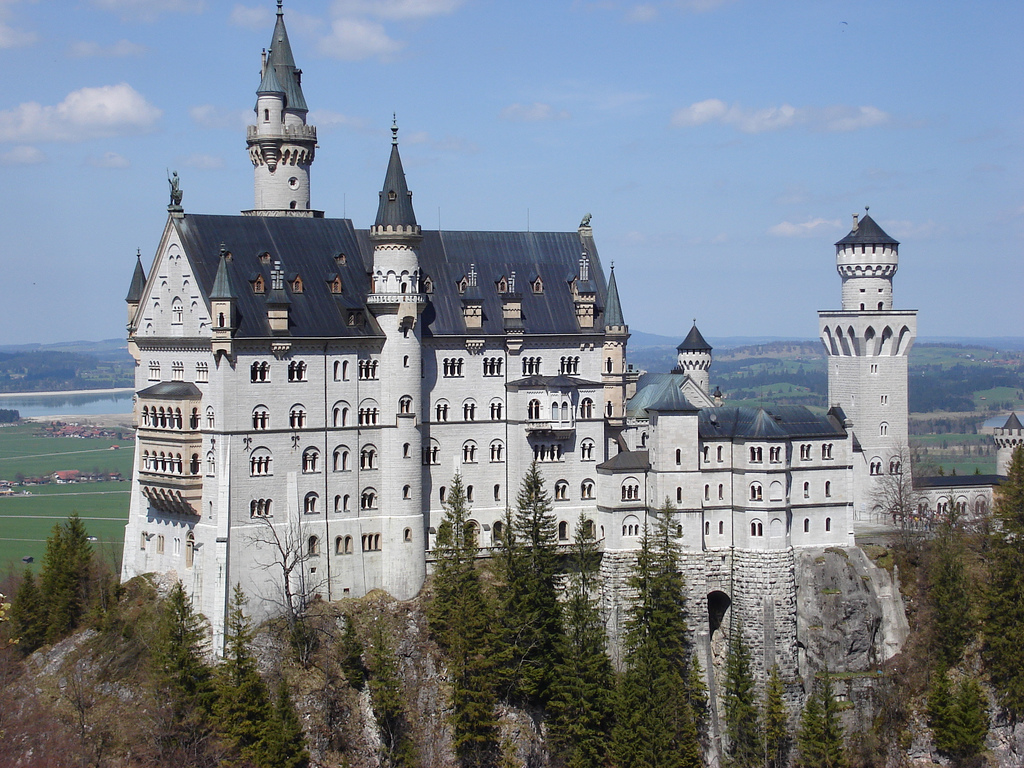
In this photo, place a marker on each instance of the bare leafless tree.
(895, 496)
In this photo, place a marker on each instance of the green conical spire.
(282, 64)
(138, 281)
(613, 309)
(222, 287)
(395, 207)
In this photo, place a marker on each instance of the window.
(756, 492)
(721, 491)
(368, 370)
(828, 523)
(828, 489)
(160, 544)
(531, 366)
(496, 410)
(492, 366)
(154, 371)
(202, 372)
(177, 311)
(569, 366)
(368, 499)
(807, 490)
(469, 493)
(497, 451)
(719, 453)
(406, 491)
(497, 528)
(874, 368)
(721, 527)
(756, 528)
(297, 417)
(807, 525)
(469, 452)
(587, 450)
(368, 457)
(826, 451)
(339, 414)
(707, 493)
(775, 454)
(895, 468)
(630, 490)
(371, 542)
(313, 546)
(707, 529)
(497, 494)
(586, 408)
(190, 549)
(407, 534)
(368, 416)
(546, 453)
(561, 490)
(679, 494)
(883, 399)
(431, 454)
(442, 494)
(441, 411)
(260, 463)
(309, 503)
(452, 367)
(259, 372)
(875, 468)
(631, 526)
(405, 404)
(755, 455)
(211, 464)
(563, 531)
(533, 410)
(310, 460)
(341, 459)
(587, 489)
(805, 452)
(883, 429)
(469, 411)
(296, 370)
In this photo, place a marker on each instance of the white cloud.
(803, 229)
(396, 10)
(12, 37)
(88, 113)
(149, 10)
(23, 155)
(109, 160)
(649, 11)
(92, 49)
(355, 39)
(642, 13)
(203, 162)
(257, 19)
(210, 116)
(532, 113)
(833, 119)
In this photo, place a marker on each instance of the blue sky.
(721, 146)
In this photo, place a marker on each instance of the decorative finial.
(223, 250)
(394, 129)
(472, 275)
(280, 10)
(613, 266)
(695, 322)
(867, 208)
(138, 253)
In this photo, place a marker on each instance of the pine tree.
(243, 705)
(386, 696)
(352, 655)
(959, 720)
(185, 680)
(1004, 625)
(820, 739)
(64, 580)
(581, 705)
(776, 723)
(287, 746)
(530, 607)
(28, 616)
(742, 725)
(462, 620)
(950, 595)
(660, 701)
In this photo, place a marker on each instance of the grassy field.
(26, 521)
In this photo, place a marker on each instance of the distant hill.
(55, 367)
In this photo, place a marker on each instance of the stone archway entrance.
(718, 606)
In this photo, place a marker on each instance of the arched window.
(496, 410)
(497, 529)
(368, 499)
(756, 493)
(679, 494)
(707, 528)
(341, 459)
(587, 489)
(807, 490)
(679, 456)
(719, 453)
(260, 418)
(469, 452)
(497, 451)
(721, 492)
(807, 525)
(368, 457)
(310, 460)
(707, 492)
(469, 411)
(561, 490)
(441, 411)
(533, 410)
(828, 488)
(309, 503)
(828, 523)
(563, 531)
(313, 546)
(721, 527)
(405, 404)
(297, 417)
(260, 462)
(586, 408)
(190, 549)
(587, 450)
(756, 528)
(883, 429)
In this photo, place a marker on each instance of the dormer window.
(259, 285)
(537, 285)
(335, 285)
(297, 284)
(428, 285)
(341, 259)
(463, 285)
(392, 196)
(264, 258)
(355, 319)
(503, 285)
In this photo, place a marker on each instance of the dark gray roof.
(554, 382)
(280, 59)
(671, 400)
(1003, 422)
(138, 282)
(868, 233)
(613, 310)
(173, 390)
(694, 342)
(222, 287)
(395, 207)
(309, 247)
(628, 461)
(652, 387)
(776, 422)
(958, 481)
(270, 83)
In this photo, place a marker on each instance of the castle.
(306, 390)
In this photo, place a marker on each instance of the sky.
(721, 146)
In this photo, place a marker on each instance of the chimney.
(855, 224)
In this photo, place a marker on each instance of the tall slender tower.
(867, 344)
(281, 145)
(396, 302)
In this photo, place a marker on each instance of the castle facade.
(306, 390)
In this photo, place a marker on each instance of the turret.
(615, 376)
(694, 358)
(135, 290)
(867, 259)
(281, 144)
(223, 307)
(472, 302)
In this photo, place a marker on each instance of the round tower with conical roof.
(281, 144)
(694, 359)
(867, 344)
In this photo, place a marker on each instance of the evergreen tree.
(820, 739)
(949, 595)
(660, 702)
(530, 607)
(741, 716)
(352, 655)
(28, 615)
(386, 696)
(243, 705)
(776, 723)
(581, 704)
(1004, 625)
(959, 720)
(462, 619)
(286, 748)
(184, 682)
(64, 580)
